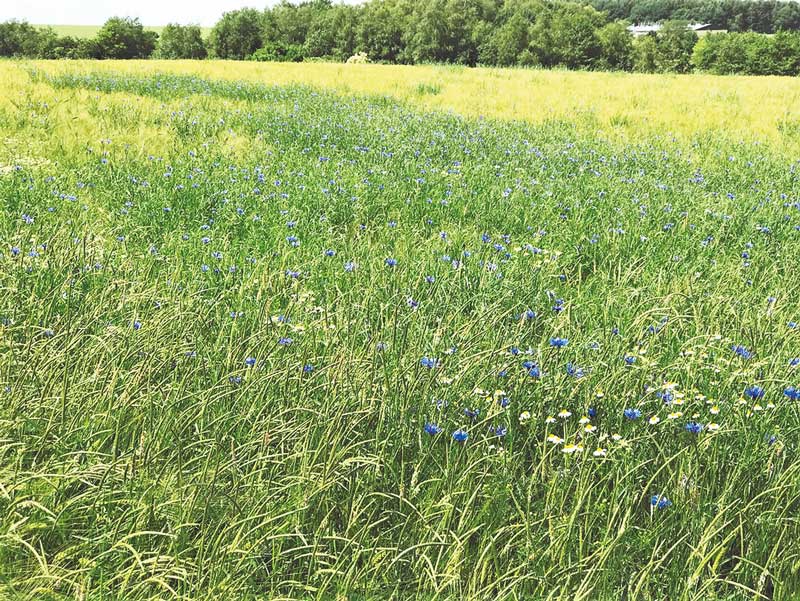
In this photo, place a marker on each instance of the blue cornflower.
(460, 435)
(529, 314)
(472, 413)
(534, 371)
(349, 266)
(137, 324)
(630, 359)
(632, 413)
(235, 379)
(429, 362)
(754, 392)
(591, 412)
(430, 279)
(432, 429)
(308, 368)
(250, 361)
(574, 371)
(694, 427)
(330, 252)
(285, 341)
(741, 351)
(498, 431)
(660, 501)
(794, 362)
(559, 342)
(14, 251)
(792, 392)
(390, 262)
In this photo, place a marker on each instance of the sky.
(149, 12)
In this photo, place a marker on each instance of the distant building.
(644, 29)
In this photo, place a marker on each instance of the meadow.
(366, 332)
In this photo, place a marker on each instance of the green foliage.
(749, 54)
(763, 16)
(279, 52)
(238, 34)
(181, 41)
(125, 38)
(675, 44)
(543, 33)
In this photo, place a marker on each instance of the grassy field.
(611, 106)
(89, 31)
(265, 340)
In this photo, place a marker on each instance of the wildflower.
(660, 502)
(285, 341)
(574, 370)
(524, 417)
(250, 361)
(712, 427)
(552, 438)
(693, 427)
(137, 324)
(632, 414)
(754, 392)
(472, 413)
(714, 410)
(741, 351)
(599, 452)
(498, 431)
(674, 415)
(589, 428)
(460, 435)
(630, 359)
(428, 362)
(432, 429)
(559, 342)
(591, 412)
(654, 420)
(792, 392)
(572, 448)
(550, 420)
(564, 414)
(390, 262)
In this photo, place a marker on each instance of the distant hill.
(89, 31)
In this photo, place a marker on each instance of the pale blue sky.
(150, 12)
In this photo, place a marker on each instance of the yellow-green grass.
(613, 105)
(89, 31)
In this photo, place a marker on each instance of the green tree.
(238, 34)
(645, 54)
(123, 38)
(616, 47)
(675, 45)
(181, 41)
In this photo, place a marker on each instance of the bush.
(278, 52)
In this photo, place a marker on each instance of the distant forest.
(529, 33)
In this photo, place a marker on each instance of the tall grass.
(235, 315)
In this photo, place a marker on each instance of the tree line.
(531, 33)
